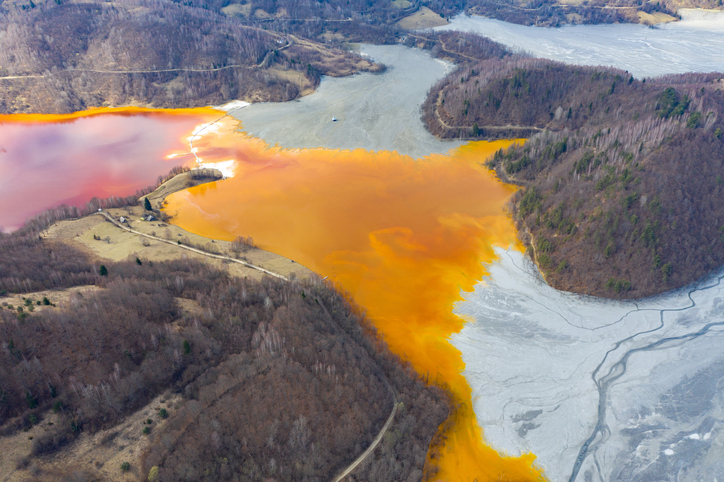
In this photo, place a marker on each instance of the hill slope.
(267, 370)
(59, 58)
(623, 178)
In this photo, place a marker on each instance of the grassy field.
(423, 18)
(105, 451)
(104, 241)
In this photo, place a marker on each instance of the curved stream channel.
(598, 390)
(618, 370)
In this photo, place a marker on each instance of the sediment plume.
(402, 237)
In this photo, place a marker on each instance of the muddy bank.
(372, 111)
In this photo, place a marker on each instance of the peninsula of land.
(171, 359)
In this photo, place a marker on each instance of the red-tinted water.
(48, 160)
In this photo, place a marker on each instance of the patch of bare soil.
(654, 18)
(34, 302)
(101, 454)
(423, 18)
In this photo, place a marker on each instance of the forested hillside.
(58, 58)
(61, 56)
(623, 179)
(279, 379)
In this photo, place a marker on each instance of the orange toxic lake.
(402, 237)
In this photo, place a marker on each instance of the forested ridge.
(61, 56)
(622, 178)
(279, 379)
(58, 58)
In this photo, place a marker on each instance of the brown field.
(654, 18)
(59, 298)
(236, 10)
(104, 241)
(423, 18)
(103, 452)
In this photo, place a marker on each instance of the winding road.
(371, 448)
(110, 219)
(509, 127)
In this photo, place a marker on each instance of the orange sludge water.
(403, 237)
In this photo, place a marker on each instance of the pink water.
(46, 161)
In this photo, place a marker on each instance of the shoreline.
(124, 234)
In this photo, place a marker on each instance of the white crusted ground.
(539, 361)
(695, 44)
(372, 111)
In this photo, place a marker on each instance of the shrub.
(544, 261)
(146, 430)
(618, 285)
(103, 271)
(51, 441)
(530, 202)
(125, 467)
(153, 474)
(666, 270)
(693, 121)
(545, 245)
(163, 413)
(31, 399)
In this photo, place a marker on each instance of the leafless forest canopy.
(68, 57)
(61, 56)
(279, 379)
(623, 178)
